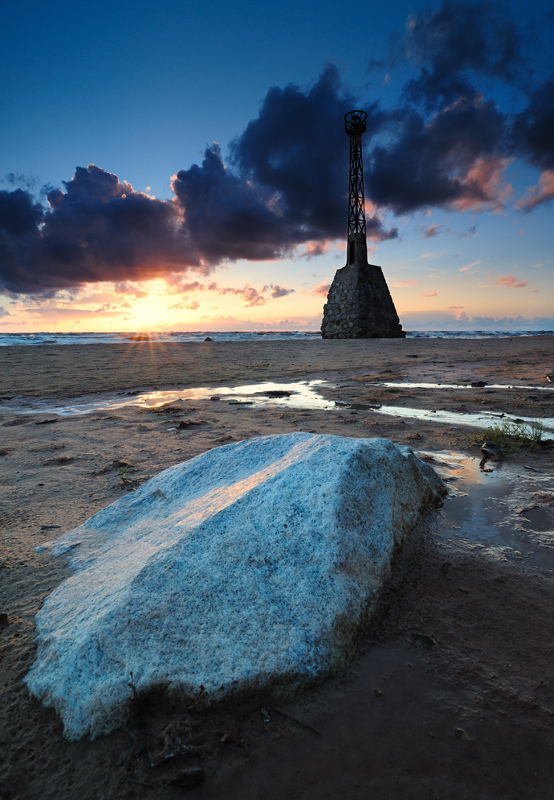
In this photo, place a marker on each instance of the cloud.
(104, 308)
(4, 312)
(455, 308)
(192, 286)
(28, 182)
(313, 249)
(19, 215)
(99, 229)
(404, 284)
(322, 289)
(57, 312)
(129, 289)
(231, 323)
(485, 186)
(471, 231)
(451, 160)
(285, 182)
(455, 319)
(192, 306)
(531, 131)
(458, 41)
(511, 282)
(444, 145)
(250, 295)
(253, 297)
(469, 266)
(433, 294)
(296, 149)
(536, 195)
(429, 231)
(433, 254)
(277, 291)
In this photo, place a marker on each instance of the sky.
(183, 166)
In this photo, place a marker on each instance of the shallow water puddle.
(405, 385)
(295, 395)
(484, 419)
(507, 511)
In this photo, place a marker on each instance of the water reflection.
(505, 512)
(295, 395)
(483, 419)
(464, 385)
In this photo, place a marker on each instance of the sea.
(10, 339)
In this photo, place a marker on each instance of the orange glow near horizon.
(236, 298)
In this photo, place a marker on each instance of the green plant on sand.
(512, 436)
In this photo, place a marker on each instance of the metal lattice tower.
(355, 125)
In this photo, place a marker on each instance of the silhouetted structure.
(359, 305)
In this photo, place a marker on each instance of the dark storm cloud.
(446, 145)
(99, 229)
(19, 214)
(458, 41)
(227, 218)
(20, 217)
(441, 162)
(107, 231)
(533, 129)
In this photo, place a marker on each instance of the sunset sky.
(183, 165)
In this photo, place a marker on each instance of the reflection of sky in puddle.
(303, 395)
(498, 510)
(464, 385)
(483, 419)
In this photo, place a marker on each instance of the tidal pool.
(505, 510)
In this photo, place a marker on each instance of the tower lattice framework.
(355, 126)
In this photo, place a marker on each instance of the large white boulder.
(247, 569)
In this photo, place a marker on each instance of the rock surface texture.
(247, 569)
(359, 305)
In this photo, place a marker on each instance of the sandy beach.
(451, 693)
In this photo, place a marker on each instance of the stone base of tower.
(359, 306)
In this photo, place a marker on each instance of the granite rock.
(248, 569)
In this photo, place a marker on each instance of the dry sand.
(451, 694)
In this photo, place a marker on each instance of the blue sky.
(251, 236)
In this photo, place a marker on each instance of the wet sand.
(78, 369)
(451, 694)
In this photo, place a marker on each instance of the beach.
(451, 693)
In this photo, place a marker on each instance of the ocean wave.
(141, 337)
